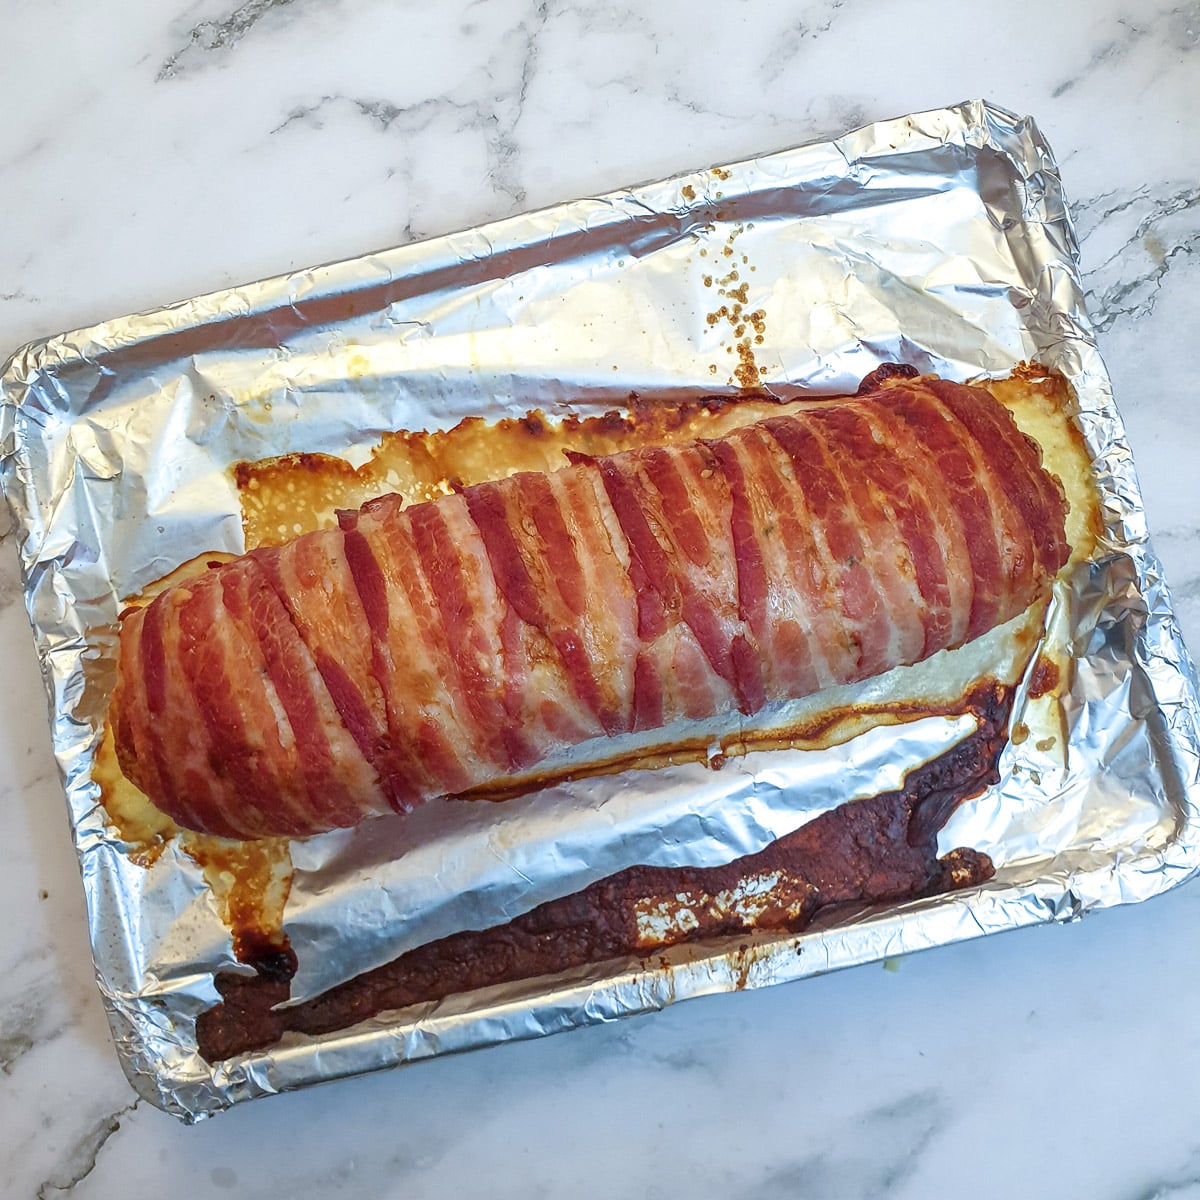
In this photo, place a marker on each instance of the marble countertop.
(154, 151)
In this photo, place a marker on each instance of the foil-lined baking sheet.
(941, 240)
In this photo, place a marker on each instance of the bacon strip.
(459, 643)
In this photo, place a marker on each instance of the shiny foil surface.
(941, 240)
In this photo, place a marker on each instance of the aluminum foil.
(941, 240)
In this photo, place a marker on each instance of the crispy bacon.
(458, 643)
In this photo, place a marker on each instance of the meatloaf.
(478, 638)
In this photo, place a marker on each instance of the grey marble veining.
(204, 42)
(1135, 241)
(155, 151)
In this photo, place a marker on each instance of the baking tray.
(940, 239)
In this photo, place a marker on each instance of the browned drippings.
(250, 882)
(1044, 679)
(820, 732)
(295, 493)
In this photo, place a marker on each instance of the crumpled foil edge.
(147, 1028)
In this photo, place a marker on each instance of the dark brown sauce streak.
(875, 850)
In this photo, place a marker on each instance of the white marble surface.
(150, 151)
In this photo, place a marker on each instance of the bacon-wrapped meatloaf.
(460, 643)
